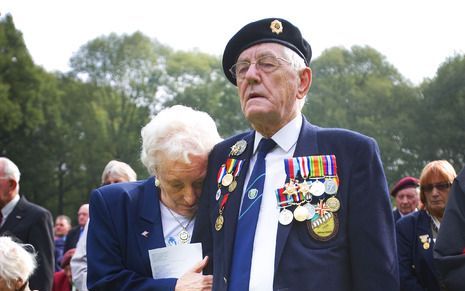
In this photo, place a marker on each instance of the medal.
(317, 188)
(426, 245)
(301, 213)
(232, 186)
(304, 189)
(330, 186)
(311, 210)
(238, 148)
(218, 194)
(291, 189)
(219, 222)
(333, 204)
(285, 217)
(227, 180)
(184, 236)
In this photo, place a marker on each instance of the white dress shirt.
(263, 254)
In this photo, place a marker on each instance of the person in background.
(114, 172)
(75, 233)
(16, 265)
(407, 195)
(289, 205)
(129, 219)
(61, 229)
(449, 249)
(28, 223)
(417, 232)
(62, 280)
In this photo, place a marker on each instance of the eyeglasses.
(440, 186)
(266, 64)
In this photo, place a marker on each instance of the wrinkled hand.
(193, 280)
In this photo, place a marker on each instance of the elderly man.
(61, 229)
(289, 205)
(407, 196)
(75, 233)
(28, 222)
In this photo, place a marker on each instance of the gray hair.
(298, 64)
(10, 170)
(119, 169)
(175, 133)
(16, 262)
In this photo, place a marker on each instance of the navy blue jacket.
(125, 224)
(361, 257)
(415, 245)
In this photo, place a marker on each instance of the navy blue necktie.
(247, 221)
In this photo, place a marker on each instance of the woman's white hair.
(174, 134)
(118, 169)
(15, 262)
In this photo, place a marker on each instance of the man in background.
(61, 228)
(28, 222)
(407, 196)
(75, 233)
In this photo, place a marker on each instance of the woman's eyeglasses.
(440, 186)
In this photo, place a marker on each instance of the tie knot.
(266, 145)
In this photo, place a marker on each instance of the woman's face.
(181, 183)
(436, 192)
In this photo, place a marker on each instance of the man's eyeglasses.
(440, 186)
(266, 64)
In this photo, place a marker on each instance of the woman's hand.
(193, 280)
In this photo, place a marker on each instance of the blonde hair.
(441, 168)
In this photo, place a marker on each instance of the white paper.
(174, 261)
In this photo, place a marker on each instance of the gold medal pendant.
(227, 180)
(219, 222)
(232, 186)
(333, 204)
(301, 213)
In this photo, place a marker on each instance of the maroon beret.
(406, 182)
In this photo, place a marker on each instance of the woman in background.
(417, 232)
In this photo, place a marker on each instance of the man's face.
(269, 98)
(83, 215)
(61, 227)
(407, 200)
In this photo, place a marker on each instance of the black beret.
(266, 30)
(404, 183)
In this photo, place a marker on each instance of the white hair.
(174, 134)
(10, 170)
(119, 169)
(298, 63)
(16, 263)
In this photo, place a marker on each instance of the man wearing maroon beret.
(405, 191)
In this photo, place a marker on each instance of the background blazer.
(362, 255)
(396, 215)
(117, 249)
(449, 250)
(33, 225)
(72, 238)
(417, 271)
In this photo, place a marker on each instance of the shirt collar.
(286, 137)
(8, 208)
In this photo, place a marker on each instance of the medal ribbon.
(303, 165)
(292, 167)
(283, 200)
(221, 173)
(238, 167)
(230, 164)
(223, 202)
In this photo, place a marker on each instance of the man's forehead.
(261, 49)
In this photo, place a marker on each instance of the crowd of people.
(285, 206)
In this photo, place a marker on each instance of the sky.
(415, 36)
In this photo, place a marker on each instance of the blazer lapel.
(424, 228)
(234, 201)
(16, 216)
(148, 225)
(307, 145)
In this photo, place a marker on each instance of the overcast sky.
(415, 36)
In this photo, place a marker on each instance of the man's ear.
(13, 184)
(305, 76)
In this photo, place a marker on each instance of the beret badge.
(276, 26)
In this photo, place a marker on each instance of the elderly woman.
(129, 219)
(16, 265)
(417, 232)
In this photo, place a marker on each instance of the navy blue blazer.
(449, 250)
(396, 214)
(415, 245)
(125, 224)
(361, 256)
